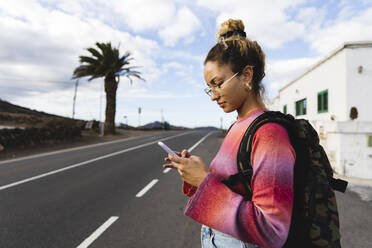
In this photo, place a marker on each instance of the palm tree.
(107, 63)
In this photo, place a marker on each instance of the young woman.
(233, 71)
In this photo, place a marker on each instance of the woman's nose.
(214, 96)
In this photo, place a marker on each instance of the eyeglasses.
(210, 90)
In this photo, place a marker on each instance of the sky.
(41, 41)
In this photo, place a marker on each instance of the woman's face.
(232, 94)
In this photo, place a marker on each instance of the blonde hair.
(235, 49)
(238, 39)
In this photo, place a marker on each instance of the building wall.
(346, 145)
(329, 75)
(344, 140)
(359, 85)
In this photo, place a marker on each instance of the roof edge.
(355, 44)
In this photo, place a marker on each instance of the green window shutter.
(369, 140)
(325, 101)
(301, 107)
(297, 108)
(285, 109)
(319, 102)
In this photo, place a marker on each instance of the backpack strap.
(338, 184)
(245, 170)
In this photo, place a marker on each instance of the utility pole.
(162, 123)
(100, 104)
(139, 116)
(73, 105)
(101, 124)
(101, 129)
(221, 122)
(162, 119)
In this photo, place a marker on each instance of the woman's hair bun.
(231, 28)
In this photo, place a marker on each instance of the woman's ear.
(247, 74)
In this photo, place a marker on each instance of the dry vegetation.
(40, 123)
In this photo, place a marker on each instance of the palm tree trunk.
(111, 87)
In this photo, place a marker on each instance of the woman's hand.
(191, 168)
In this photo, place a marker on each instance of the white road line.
(88, 241)
(67, 150)
(167, 170)
(147, 188)
(200, 141)
(191, 148)
(84, 163)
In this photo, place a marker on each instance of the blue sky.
(42, 39)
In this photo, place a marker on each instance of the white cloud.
(55, 102)
(40, 49)
(43, 45)
(312, 17)
(144, 15)
(158, 95)
(344, 29)
(172, 65)
(281, 72)
(265, 21)
(289, 67)
(171, 21)
(183, 25)
(273, 23)
(182, 56)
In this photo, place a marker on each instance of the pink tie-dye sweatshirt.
(266, 219)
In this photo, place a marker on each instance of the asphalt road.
(94, 197)
(97, 193)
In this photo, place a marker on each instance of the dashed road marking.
(147, 188)
(88, 241)
(166, 170)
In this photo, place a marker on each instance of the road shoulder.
(88, 138)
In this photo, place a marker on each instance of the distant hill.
(7, 107)
(16, 116)
(206, 128)
(158, 124)
(154, 124)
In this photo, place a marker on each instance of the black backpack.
(314, 221)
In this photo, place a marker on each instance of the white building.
(326, 94)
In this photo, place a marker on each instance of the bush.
(60, 123)
(21, 138)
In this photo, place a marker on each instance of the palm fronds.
(105, 60)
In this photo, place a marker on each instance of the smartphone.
(167, 149)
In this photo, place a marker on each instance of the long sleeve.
(188, 189)
(266, 219)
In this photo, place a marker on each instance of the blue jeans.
(211, 238)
